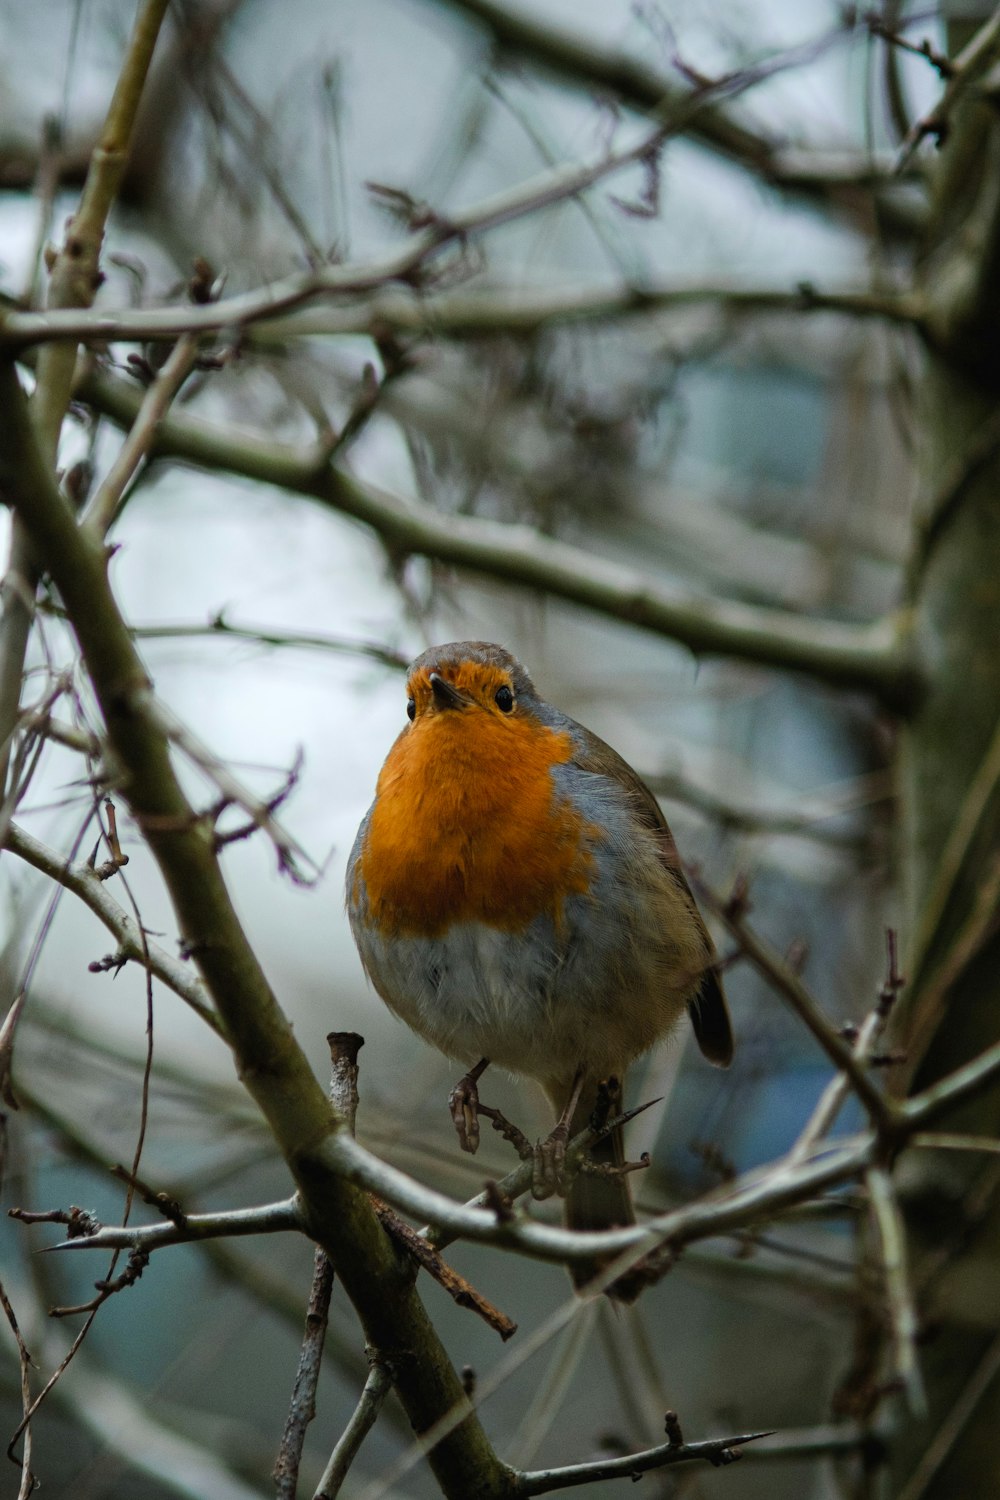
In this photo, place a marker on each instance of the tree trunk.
(950, 784)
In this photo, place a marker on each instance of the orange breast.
(467, 827)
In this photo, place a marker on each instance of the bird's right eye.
(411, 709)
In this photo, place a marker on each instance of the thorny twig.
(716, 1451)
(965, 70)
(939, 61)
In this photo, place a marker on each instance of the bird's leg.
(463, 1101)
(550, 1154)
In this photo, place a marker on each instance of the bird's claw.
(463, 1101)
(549, 1164)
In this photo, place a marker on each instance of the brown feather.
(707, 1008)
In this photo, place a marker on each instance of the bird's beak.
(445, 695)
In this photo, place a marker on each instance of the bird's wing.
(708, 1009)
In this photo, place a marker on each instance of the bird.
(517, 898)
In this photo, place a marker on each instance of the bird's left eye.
(504, 699)
(411, 709)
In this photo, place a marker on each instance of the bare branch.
(75, 276)
(81, 878)
(818, 177)
(270, 1061)
(302, 1407)
(266, 635)
(788, 984)
(363, 1419)
(875, 658)
(75, 271)
(837, 1089)
(804, 822)
(518, 311)
(406, 263)
(716, 1451)
(233, 1223)
(965, 70)
(759, 1196)
(344, 1048)
(105, 503)
(28, 1481)
(891, 1237)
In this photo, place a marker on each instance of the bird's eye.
(504, 699)
(411, 709)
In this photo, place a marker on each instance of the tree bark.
(950, 781)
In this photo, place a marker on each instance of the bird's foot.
(550, 1174)
(463, 1101)
(549, 1163)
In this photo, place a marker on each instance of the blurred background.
(753, 455)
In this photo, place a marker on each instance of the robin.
(517, 898)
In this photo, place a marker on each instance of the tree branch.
(74, 278)
(509, 311)
(822, 178)
(890, 1234)
(716, 1451)
(105, 503)
(872, 658)
(406, 263)
(363, 1419)
(83, 881)
(270, 1062)
(964, 70)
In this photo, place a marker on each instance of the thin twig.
(268, 1218)
(302, 1406)
(891, 1236)
(458, 1287)
(966, 69)
(788, 984)
(875, 658)
(266, 635)
(24, 1362)
(716, 1451)
(344, 1048)
(363, 1419)
(106, 501)
(933, 1140)
(83, 881)
(837, 1089)
(288, 849)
